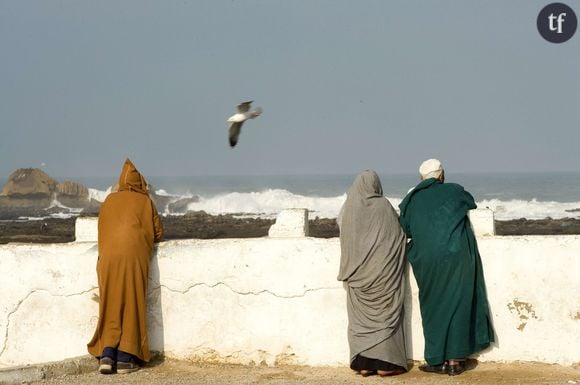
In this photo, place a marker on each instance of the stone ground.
(180, 372)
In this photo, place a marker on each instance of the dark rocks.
(181, 206)
(160, 201)
(92, 209)
(25, 205)
(38, 231)
(323, 228)
(547, 226)
(196, 215)
(201, 225)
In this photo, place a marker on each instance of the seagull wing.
(244, 107)
(257, 112)
(235, 129)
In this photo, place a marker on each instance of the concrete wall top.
(482, 222)
(86, 229)
(290, 223)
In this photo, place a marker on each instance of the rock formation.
(72, 194)
(30, 192)
(180, 206)
(70, 188)
(29, 183)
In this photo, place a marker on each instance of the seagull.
(244, 113)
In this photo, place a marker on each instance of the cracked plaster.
(264, 291)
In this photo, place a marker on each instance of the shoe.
(439, 369)
(106, 365)
(126, 367)
(455, 369)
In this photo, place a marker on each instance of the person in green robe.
(447, 266)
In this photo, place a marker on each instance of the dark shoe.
(455, 369)
(439, 369)
(126, 367)
(106, 365)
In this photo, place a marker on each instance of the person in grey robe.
(372, 268)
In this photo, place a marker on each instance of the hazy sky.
(345, 86)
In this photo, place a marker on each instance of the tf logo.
(557, 22)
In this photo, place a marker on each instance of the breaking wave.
(268, 203)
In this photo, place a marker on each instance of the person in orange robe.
(129, 225)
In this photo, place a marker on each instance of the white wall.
(274, 300)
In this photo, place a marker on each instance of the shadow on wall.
(410, 319)
(407, 321)
(155, 330)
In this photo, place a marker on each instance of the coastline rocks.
(181, 205)
(72, 194)
(29, 183)
(200, 225)
(74, 189)
(92, 208)
(32, 192)
(546, 226)
(41, 231)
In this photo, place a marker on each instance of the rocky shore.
(31, 193)
(193, 225)
(200, 225)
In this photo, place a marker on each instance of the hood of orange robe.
(131, 179)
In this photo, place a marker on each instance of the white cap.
(431, 168)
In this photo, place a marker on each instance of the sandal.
(389, 373)
(366, 373)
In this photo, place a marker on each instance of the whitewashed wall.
(274, 300)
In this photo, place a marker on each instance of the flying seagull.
(244, 113)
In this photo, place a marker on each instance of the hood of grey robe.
(370, 234)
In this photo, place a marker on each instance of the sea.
(511, 195)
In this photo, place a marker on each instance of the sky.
(344, 85)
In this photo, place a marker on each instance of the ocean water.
(510, 195)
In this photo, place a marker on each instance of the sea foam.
(268, 203)
(99, 195)
(533, 209)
